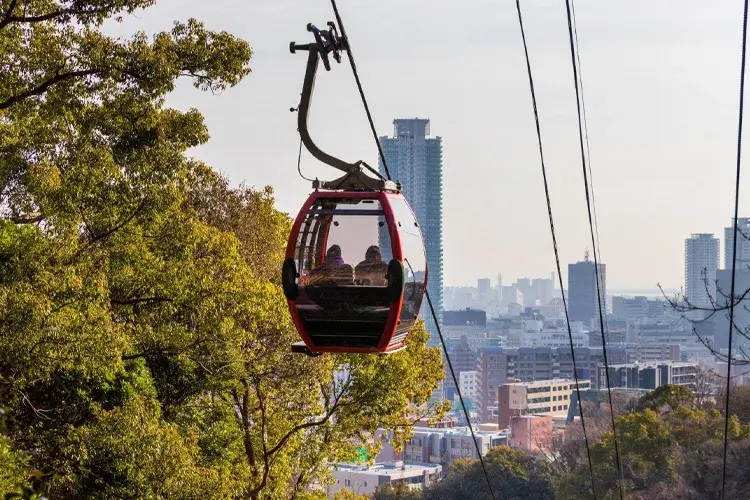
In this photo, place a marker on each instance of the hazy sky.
(661, 89)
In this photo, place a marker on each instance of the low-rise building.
(364, 480)
(441, 446)
(542, 397)
(649, 375)
(531, 433)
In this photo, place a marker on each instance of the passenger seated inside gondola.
(333, 270)
(371, 271)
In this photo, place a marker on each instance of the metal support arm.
(327, 42)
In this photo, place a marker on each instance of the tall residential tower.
(416, 160)
(701, 263)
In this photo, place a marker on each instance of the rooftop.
(656, 364)
(457, 431)
(395, 467)
(547, 382)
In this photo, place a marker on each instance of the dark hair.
(373, 253)
(334, 252)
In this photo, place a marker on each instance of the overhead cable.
(554, 243)
(359, 86)
(734, 248)
(597, 274)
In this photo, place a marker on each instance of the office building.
(638, 308)
(582, 291)
(465, 317)
(701, 263)
(542, 397)
(463, 359)
(648, 375)
(416, 161)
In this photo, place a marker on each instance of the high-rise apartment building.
(743, 244)
(582, 292)
(416, 161)
(701, 263)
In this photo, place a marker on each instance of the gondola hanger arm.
(328, 42)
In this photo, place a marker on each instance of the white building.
(701, 263)
(431, 445)
(469, 384)
(365, 480)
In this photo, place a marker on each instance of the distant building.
(365, 480)
(582, 291)
(463, 359)
(648, 375)
(743, 244)
(720, 321)
(469, 384)
(649, 353)
(701, 263)
(484, 286)
(492, 366)
(430, 445)
(536, 291)
(416, 160)
(465, 317)
(531, 433)
(637, 308)
(542, 397)
(536, 364)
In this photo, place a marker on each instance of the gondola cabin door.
(355, 271)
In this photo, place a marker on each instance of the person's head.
(333, 255)
(373, 254)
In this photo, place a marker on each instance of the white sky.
(661, 89)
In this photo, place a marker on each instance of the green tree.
(667, 450)
(669, 395)
(144, 339)
(348, 495)
(399, 492)
(512, 473)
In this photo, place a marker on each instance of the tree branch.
(111, 230)
(306, 425)
(71, 11)
(31, 218)
(138, 300)
(5, 20)
(44, 86)
(266, 467)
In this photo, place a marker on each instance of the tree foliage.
(144, 339)
(399, 492)
(348, 495)
(668, 449)
(513, 474)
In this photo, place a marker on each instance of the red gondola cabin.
(355, 271)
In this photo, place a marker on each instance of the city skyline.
(662, 122)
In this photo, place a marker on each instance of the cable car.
(355, 272)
